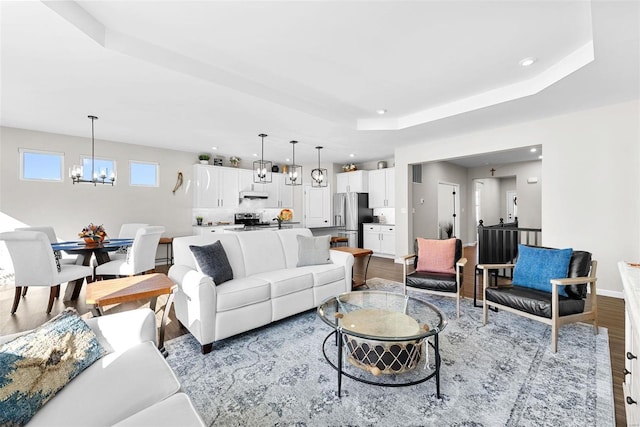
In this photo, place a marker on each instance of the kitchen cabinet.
(382, 193)
(205, 230)
(215, 187)
(356, 182)
(380, 238)
(317, 206)
(631, 385)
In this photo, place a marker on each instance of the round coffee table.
(385, 338)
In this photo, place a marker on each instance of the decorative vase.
(204, 162)
(92, 241)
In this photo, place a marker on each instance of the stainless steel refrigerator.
(350, 210)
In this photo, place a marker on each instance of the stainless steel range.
(250, 220)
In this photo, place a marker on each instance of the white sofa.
(130, 386)
(266, 286)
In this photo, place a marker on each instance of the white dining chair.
(34, 264)
(127, 231)
(140, 258)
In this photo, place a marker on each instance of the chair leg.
(52, 296)
(16, 299)
(24, 291)
(57, 291)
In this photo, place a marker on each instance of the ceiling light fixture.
(540, 156)
(381, 111)
(319, 175)
(262, 169)
(533, 150)
(77, 174)
(352, 155)
(294, 173)
(527, 62)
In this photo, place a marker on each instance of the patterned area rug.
(501, 374)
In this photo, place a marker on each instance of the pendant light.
(319, 175)
(101, 177)
(294, 175)
(262, 169)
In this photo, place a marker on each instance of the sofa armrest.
(461, 262)
(120, 331)
(494, 266)
(345, 259)
(573, 281)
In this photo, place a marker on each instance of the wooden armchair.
(564, 302)
(445, 282)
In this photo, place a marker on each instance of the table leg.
(152, 303)
(366, 269)
(96, 310)
(165, 316)
(339, 335)
(437, 354)
(72, 292)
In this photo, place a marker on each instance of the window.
(143, 174)
(100, 167)
(41, 165)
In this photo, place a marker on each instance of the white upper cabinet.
(352, 182)
(382, 192)
(280, 194)
(216, 187)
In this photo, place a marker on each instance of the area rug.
(501, 374)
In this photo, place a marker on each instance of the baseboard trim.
(612, 294)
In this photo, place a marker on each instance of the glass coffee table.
(385, 338)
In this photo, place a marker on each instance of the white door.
(317, 206)
(512, 206)
(448, 210)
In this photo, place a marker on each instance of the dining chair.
(34, 264)
(127, 231)
(51, 234)
(140, 258)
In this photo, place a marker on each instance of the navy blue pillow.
(212, 260)
(535, 267)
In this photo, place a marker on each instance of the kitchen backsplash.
(214, 215)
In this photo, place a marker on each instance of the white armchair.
(35, 264)
(141, 256)
(51, 234)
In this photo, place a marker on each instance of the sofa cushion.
(212, 260)
(287, 281)
(535, 267)
(176, 410)
(182, 255)
(436, 256)
(238, 293)
(262, 251)
(324, 274)
(288, 238)
(36, 365)
(533, 301)
(313, 250)
(112, 389)
(433, 281)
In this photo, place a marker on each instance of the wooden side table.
(357, 253)
(133, 288)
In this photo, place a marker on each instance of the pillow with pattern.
(36, 365)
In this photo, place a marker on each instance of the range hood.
(253, 195)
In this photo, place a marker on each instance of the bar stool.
(168, 241)
(337, 240)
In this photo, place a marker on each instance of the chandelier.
(262, 169)
(319, 175)
(97, 177)
(294, 176)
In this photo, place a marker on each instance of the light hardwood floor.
(31, 313)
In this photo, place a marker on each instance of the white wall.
(590, 193)
(68, 207)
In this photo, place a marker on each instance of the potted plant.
(234, 161)
(199, 220)
(204, 159)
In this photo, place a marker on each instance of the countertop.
(377, 223)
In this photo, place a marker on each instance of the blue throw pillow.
(536, 267)
(36, 365)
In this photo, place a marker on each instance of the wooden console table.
(357, 253)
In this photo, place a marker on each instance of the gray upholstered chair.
(552, 307)
(34, 264)
(140, 258)
(441, 283)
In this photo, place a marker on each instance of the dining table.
(85, 251)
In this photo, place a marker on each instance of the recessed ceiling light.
(214, 148)
(352, 155)
(381, 111)
(287, 159)
(526, 62)
(540, 156)
(255, 154)
(533, 150)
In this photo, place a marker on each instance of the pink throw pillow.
(436, 256)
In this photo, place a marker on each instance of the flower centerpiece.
(285, 215)
(234, 161)
(349, 167)
(93, 233)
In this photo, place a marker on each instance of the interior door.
(317, 207)
(512, 206)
